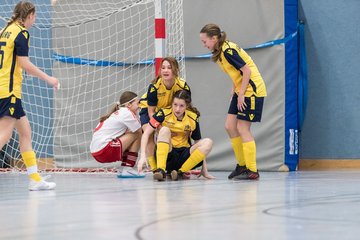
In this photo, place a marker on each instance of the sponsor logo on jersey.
(159, 113)
(169, 123)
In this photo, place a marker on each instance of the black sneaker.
(176, 175)
(248, 175)
(159, 175)
(238, 170)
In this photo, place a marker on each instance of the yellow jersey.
(14, 41)
(181, 130)
(232, 58)
(161, 97)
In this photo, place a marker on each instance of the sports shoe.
(159, 175)
(237, 171)
(176, 175)
(42, 185)
(129, 172)
(248, 175)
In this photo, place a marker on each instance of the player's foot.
(237, 171)
(129, 172)
(248, 175)
(176, 175)
(42, 185)
(159, 175)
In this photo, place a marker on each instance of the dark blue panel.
(291, 88)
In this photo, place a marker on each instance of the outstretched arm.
(33, 70)
(148, 130)
(204, 171)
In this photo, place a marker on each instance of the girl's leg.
(198, 152)
(163, 147)
(236, 143)
(162, 151)
(24, 130)
(130, 147)
(131, 141)
(28, 155)
(249, 146)
(7, 125)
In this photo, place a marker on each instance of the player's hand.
(206, 174)
(140, 164)
(241, 102)
(54, 82)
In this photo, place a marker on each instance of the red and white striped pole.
(160, 35)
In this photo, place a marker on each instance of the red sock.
(129, 159)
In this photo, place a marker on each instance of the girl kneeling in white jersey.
(117, 136)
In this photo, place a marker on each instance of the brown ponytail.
(213, 30)
(126, 97)
(20, 13)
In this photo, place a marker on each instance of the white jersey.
(115, 126)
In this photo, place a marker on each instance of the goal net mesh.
(97, 49)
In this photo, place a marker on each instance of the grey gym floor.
(295, 205)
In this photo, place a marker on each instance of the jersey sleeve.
(131, 121)
(233, 58)
(157, 119)
(187, 88)
(196, 134)
(22, 44)
(152, 98)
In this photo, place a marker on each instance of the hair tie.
(128, 101)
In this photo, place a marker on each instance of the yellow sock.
(152, 162)
(162, 151)
(250, 155)
(31, 166)
(237, 146)
(195, 158)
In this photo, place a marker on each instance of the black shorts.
(11, 107)
(144, 116)
(177, 157)
(253, 110)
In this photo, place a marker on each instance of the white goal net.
(97, 49)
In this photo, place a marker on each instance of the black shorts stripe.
(11, 83)
(253, 110)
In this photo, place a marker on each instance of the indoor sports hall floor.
(296, 205)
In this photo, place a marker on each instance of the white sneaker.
(128, 172)
(42, 185)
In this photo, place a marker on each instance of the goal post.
(96, 51)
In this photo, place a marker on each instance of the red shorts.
(112, 152)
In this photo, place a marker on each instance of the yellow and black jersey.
(14, 41)
(161, 97)
(233, 58)
(181, 130)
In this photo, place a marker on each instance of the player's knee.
(230, 128)
(206, 145)
(164, 132)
